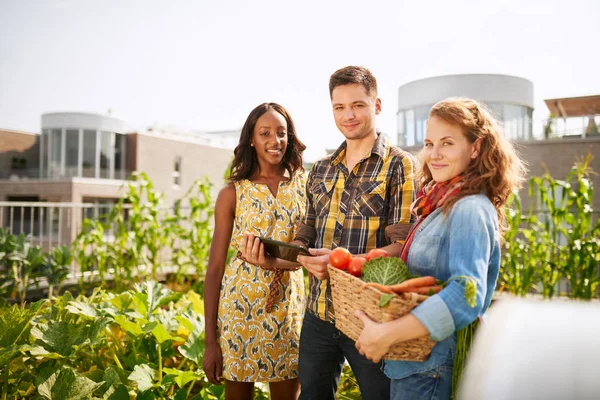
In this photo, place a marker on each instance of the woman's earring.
(252, 144)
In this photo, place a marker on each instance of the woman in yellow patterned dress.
(246, 340)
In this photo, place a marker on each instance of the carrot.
(421, 289)
(428, 290)
(414, 283)
(379, 286)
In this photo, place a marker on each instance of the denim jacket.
(465, 241)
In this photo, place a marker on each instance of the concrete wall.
(156, 156)
(46, 190)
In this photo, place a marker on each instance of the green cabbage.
(385, 270)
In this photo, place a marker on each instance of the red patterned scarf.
(431, 197)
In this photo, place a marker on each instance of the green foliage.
(348, 386)
(385, 270)
(146, 235)
(145, 342)
(23, 265)
(560, 243)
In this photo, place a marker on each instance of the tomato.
(340, 258)
(376, 253)
(356, 265)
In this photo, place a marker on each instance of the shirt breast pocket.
(423, 255)
(321, 192)
(370, 199)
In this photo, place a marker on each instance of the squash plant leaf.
(152, 295)
(121, 301)
(6, 354)
(117, 393)
(81, 308)
(63, 338)
(111, 380)
(128, 326)
(15, 323)
(182, 378)
(66, 384)
(143, 375)
(193, 348)
(161, 334)
(196, 301)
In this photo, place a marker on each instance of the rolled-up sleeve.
(402, 194)
(305, 228)
(471, 240)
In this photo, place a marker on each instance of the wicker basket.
(349, 295)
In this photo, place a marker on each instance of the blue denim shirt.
(465, 241)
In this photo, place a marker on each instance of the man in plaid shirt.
(357, 198)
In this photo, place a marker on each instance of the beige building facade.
(79, 163)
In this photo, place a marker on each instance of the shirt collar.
(379, 148)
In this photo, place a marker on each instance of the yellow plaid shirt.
(362, 209)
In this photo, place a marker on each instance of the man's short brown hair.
(354, 75)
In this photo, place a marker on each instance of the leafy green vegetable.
(385, 270)
(385, 298)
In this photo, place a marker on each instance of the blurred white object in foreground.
(529, 350)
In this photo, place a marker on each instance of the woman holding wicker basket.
(254, 312)
(468, 172)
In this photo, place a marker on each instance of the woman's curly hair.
(497, 170)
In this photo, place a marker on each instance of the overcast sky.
(204, 65)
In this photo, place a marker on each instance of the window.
(55, 153)
(177, 171)
(18, 163)
(89, 153)
(44, 153)
(72, 150)
(401, 130)
(120, 156)
(106, 154)
(410, 128)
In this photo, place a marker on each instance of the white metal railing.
(583, 127)
(49, 224)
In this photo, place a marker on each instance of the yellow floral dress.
(258, 346)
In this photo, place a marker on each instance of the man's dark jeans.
(322, 352)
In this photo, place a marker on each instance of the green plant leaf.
(385, 298)
(118, 392)
(81, 308)
(128, 326)
(121, 301)
(197, 302)
(181, 395)
(63, 338)
(143, 376)
(37, 350)
(15, 323)
(161, 334)
(182, 378)
(194, 347)
(66, 384)
(6, 354)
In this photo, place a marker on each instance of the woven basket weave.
(349, 295)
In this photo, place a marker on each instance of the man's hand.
(317, 263)
(374, 341)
